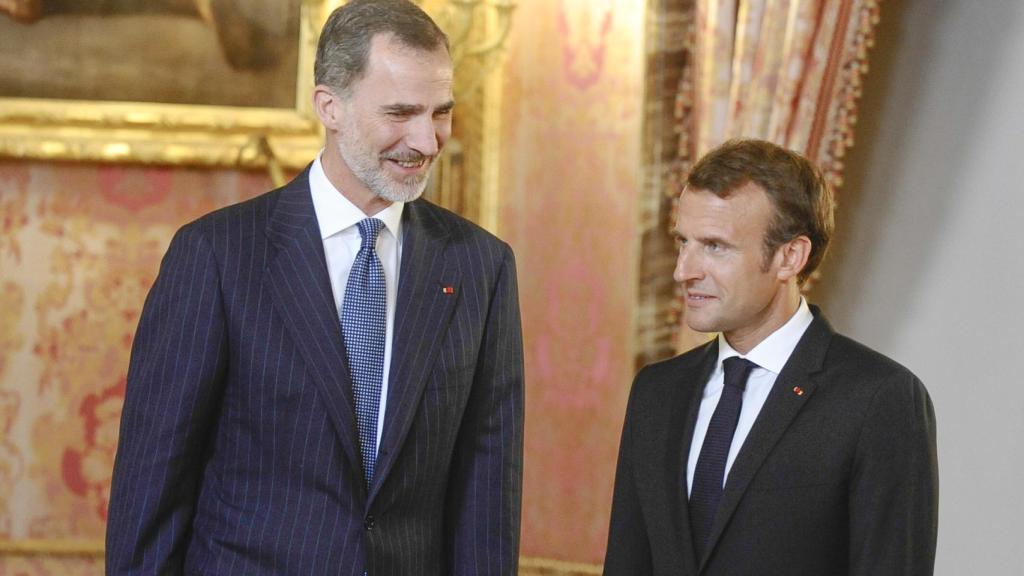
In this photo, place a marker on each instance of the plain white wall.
(928, 266)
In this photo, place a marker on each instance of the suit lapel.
(776, 415)
(422, 314)
(678, 451)
(298, 280)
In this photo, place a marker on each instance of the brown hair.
(344, 47)
(796, 188)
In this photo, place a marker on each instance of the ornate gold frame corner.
(173, 134)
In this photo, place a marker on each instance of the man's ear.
(327, 105)
(793, 257)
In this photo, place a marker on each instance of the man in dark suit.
(328, 379)
(780, 448)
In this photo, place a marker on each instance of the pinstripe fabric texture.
(239, 452)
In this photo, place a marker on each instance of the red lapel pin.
(448, 289)
(798, 391)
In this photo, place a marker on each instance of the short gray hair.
(344, 47)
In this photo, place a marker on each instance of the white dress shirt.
(337, 217)
(770, 355)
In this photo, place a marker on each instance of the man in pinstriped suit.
(240, 450)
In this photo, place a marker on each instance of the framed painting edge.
(173, 134)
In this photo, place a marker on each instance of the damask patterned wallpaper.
(570, 202)
(80, 246)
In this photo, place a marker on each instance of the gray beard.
(378, 182)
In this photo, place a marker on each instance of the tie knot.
(368, 229)
(736, 371)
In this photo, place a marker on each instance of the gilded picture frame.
(174, 134)
(279, 139)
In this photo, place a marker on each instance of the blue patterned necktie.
(709, 475)
(363, 324)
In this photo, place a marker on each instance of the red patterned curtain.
(788, 71)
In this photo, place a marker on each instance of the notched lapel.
(298, 280)
(428, 291)
(779, 410)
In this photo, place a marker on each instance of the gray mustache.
(407, 157)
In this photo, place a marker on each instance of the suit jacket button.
(368, 522)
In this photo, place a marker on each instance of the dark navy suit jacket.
(238, 450)
(838, 476)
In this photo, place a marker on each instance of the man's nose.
(424, 138)
(688, 266)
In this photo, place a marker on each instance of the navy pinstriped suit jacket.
(238, 451)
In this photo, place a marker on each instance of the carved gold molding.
(55, 548)
(466, 180)
(173, 134)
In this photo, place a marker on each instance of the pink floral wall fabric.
(80, 247)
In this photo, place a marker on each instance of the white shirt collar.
(335, 212)
(773, 352)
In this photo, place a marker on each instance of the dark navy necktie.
(709, 476)
(364, 325)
